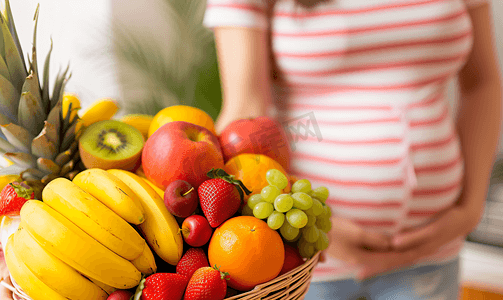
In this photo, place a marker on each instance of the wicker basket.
(290, 286)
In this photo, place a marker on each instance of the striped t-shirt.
(364, 91)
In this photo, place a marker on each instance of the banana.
(108, 289)
(112, 192)
(63, 239)
(93, 217)
(140, 122)
(31, 285)
(156, 189)
(74, 101)
(160, 228)
(141, 174)
(100, 110)
(145, 263)
(57, 275)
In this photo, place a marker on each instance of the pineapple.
(38, 127)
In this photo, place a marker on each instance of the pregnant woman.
(407, 178)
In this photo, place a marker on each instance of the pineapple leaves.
(18, 137)
(45, 86)
(54, 119)
(9, 96)
(30, 110)
(13, 169)
(12, 30)
(22, 159)
(48, 166)
(5, 146)
(13, 58)
(4, 120)
(4, 71)
(41, 146)
(51, 132)
(59, 87)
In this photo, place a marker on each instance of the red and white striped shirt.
(372, 76)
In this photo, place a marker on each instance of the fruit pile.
(145, 207)
(300, 215)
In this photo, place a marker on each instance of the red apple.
(120, 295)
(196, 230)
(180, 150)
(181, 198)
(293, 259)
(261, 135)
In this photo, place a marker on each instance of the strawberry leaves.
(219, 173)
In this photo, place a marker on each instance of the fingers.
(345, 229)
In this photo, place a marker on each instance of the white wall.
(80, 34)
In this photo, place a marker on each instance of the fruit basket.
(290, 286)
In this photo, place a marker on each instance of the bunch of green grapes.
(300, 216)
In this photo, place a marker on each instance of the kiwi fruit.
(111, 144)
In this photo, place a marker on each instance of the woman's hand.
(452, 223)
(358, 247)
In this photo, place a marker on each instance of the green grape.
(311, 220)
(309, 212)
(317, 207)
(324, 224)
(254, 200)
(306, 249)
(297, 218)
(322, 241)
(269, 193)
(275, 220)
(277, 178)
(310, 234)
(247, 211)
(289, 232)
(302, 201)
(325, 214)
(283, 203)
(263, 210)
(302, 185)
(328, 211)
(321, 193)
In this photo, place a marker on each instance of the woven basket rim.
(301, 271)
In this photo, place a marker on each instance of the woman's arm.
(478, 125)
(480, 112)
(243, 55)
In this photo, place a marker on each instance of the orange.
(251, 170)
(247, 249)
(184, 113)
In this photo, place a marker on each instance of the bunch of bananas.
(80, 242)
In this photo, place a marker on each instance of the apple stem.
(188, 192)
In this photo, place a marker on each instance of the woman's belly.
(387, 167)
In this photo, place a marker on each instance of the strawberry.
(192, 260)
(221, 196)
(162, 286)
(207, 283)
(13, 196)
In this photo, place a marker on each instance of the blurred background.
(151, 54)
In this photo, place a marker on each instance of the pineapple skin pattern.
(38, 125)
